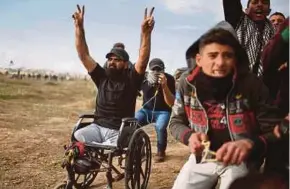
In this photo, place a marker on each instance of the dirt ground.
(36, 119)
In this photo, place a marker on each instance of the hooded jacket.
(247, 113)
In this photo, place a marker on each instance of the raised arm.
(145, 47)
(168, 89)
(80, 40)
(233, 11)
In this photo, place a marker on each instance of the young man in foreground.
(220, 101)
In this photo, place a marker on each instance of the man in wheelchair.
(117, 92)
(117, 85)
(221, 113)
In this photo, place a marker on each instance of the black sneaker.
(160, 157)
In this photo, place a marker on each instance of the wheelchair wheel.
(80, 181)
(138, 161)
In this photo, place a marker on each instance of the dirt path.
(36, 119)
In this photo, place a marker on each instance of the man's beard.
(114, 73)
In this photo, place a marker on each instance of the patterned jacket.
(247, 114)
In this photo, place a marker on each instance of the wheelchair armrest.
(129, 119)
(129, 125)
(87, 115)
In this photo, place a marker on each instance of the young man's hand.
(282, 130)
(234, 152)
(195, 142)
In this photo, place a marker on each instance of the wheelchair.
(132, 153)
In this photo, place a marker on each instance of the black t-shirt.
(116, 98)
(149, 92)
(218, 133)
(212, 93)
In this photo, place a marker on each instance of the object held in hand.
(283, 66)
(153, 78)
(207, 155)
(284, 128)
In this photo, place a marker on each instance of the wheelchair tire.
(84, 184)
(78, 185)
(138, 161)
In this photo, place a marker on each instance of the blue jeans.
(161, 119)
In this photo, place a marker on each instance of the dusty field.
(36, 118)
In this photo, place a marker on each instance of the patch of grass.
(22, 97)
(51, 83)
(18, 82)
(41, 100)
(7, 97)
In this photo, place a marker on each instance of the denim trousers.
(161, 119)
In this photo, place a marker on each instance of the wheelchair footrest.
(107, 147)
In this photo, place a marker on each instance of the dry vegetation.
(36, 118)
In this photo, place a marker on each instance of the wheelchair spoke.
(138, 161)
(78, 176)
(142, 172)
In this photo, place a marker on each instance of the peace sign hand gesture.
(78, 16)
(148, 22)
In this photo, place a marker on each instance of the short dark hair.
(224, 37)
(119, 45)
(278, 14)
(220, 36)
(250, 1)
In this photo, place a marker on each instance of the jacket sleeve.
(272, 56)
(275, 54)
(267, 117)
(233, 11)
(179, 124)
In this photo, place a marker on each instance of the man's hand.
(283, 66)
(277, 132)
(148, 22)
(234, 152)
(282, 129)
(145, 46)
(162, 80)
(78, 17)
(194, 142)
(81, 44)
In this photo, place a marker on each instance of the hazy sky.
(40, 33)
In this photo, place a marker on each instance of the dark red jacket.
(275, 54)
